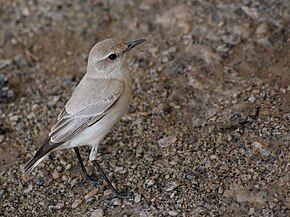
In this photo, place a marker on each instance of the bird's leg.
(101, 171)
(89, 177)
(114, 190)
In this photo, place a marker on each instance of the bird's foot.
(123, 194)
(95, 179)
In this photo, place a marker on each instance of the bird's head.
(108, 56)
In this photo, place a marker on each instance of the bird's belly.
(95, 133)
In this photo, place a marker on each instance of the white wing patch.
(91, 100)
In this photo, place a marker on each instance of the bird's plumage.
(81, 112)
(98, 102)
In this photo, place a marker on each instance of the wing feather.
(91, 100)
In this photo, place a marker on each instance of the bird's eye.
(112, 56)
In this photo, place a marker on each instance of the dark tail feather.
(44, 150)
(30, 165)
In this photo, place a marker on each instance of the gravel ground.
(207, 133)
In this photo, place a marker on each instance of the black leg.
(101, 171)
(114, 190)
(93, 177)
(77, 151)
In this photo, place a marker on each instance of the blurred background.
(207, 133)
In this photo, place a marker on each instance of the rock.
(25, 12)
(212, 112)
(28, 189)
(51, 208)
(196, 122)
(171, 186)
(251, 211)
(116, 202)
(167, 141)
(283, 90)
(76, 203)
(107, 192)
(118, 169)
(55, 175)
(149, 182)
(19, 60)
(264, 41)
(252, 99)
(221, 190)
(231, 39)
(91, 200)
(257, 145)
(173, 213)
(98, 213)
(251, 11)
(263, 30)
(3, 80)
(6, 94)
(59, 206)
(91, 194)
(68, 167)
(53, 100)
(242, 30)
(137, 198)
(3, 64)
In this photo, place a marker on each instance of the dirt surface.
(207, 133)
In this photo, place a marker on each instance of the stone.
(98, 213)
(91, 194)
(173, 213)
(76, 203)
(167, 141)
(137, 198)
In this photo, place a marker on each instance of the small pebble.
(91, 200)
(91, 193)
(173, 213)
(118, 169)
(107, 192)
(55, 175)
(149, 182)
(76, 203)
(59, 206)
(251, 211)
(252, 99)
(3, 64)
(68, 167)
(257, 145)
(171, 186)
(264, 41)
(98, 213)
(51, 208)
(28, 189)
(167, 141)
(117, 202)
(263, 30)
(137, 198)
(221, 190)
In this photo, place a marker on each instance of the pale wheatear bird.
(98, 102)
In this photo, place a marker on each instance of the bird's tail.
(42, 152)
(31, 164)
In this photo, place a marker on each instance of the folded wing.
(91, 100)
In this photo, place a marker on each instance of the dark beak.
(132, 44)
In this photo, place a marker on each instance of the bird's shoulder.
(94, 91)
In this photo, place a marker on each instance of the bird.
(98, 102)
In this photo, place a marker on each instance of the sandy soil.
(207, 133)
